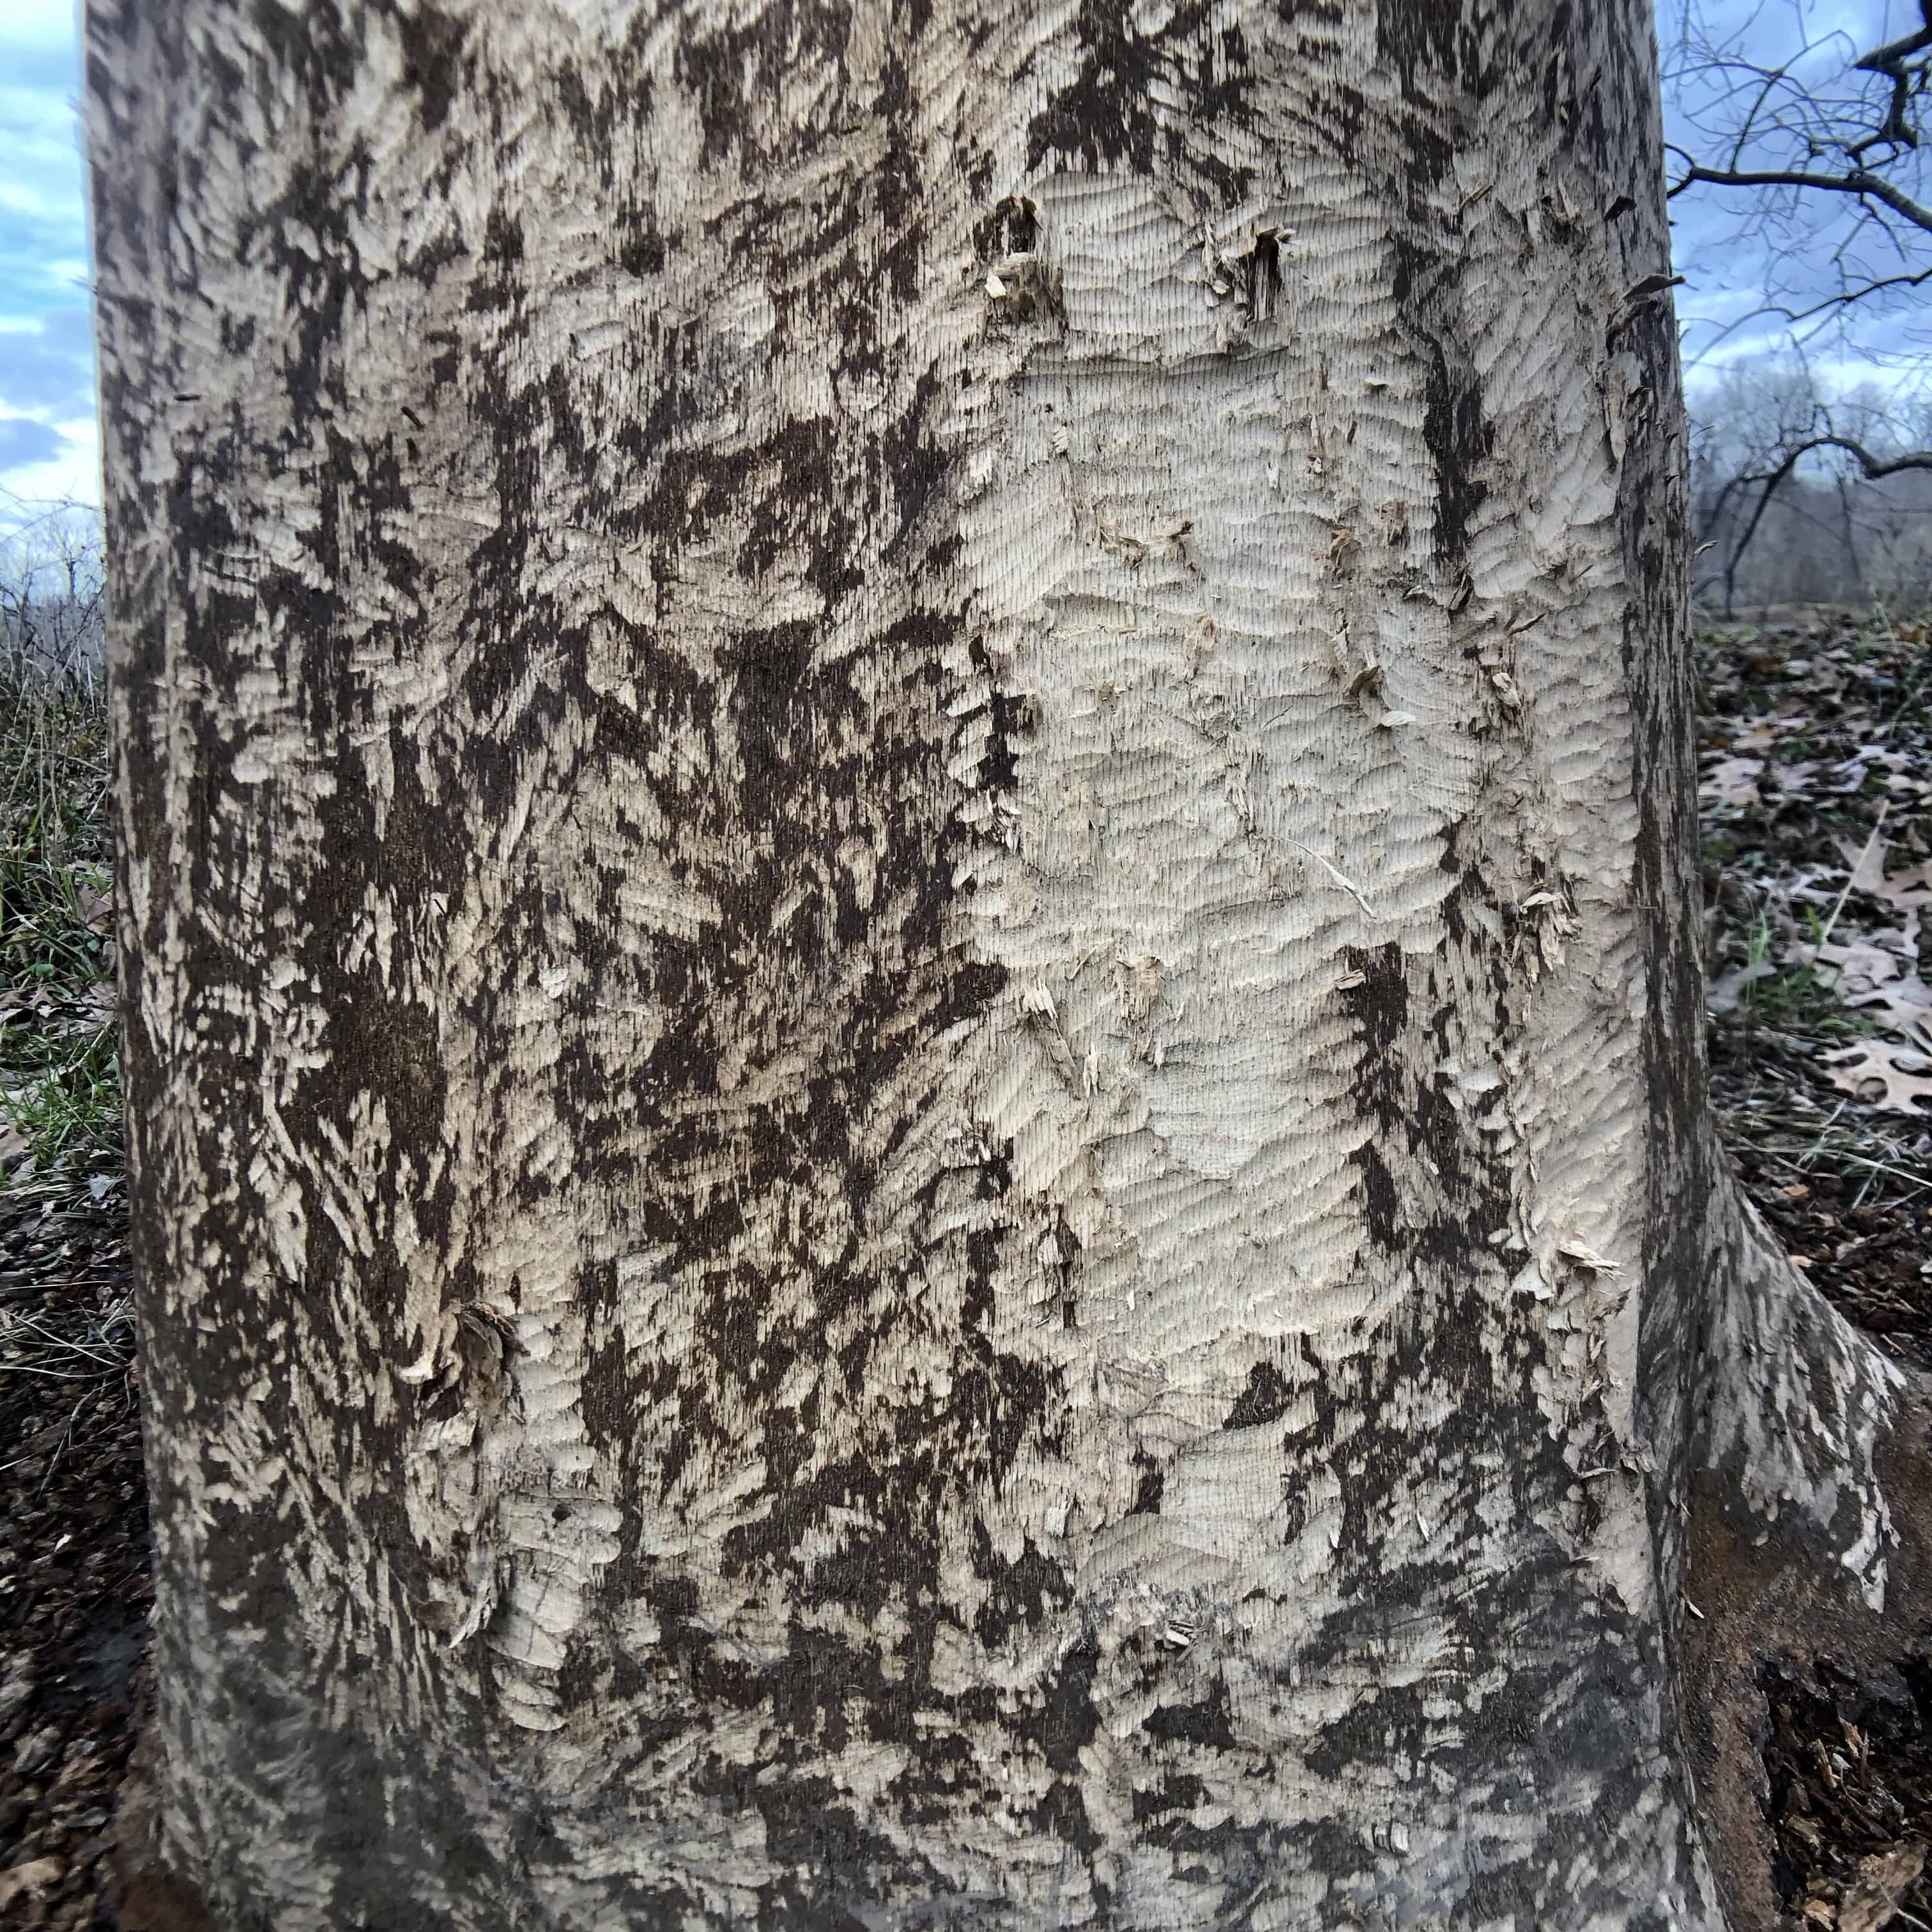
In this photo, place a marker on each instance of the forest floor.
(1816, 744)
(1816, 763)
(73, 1530)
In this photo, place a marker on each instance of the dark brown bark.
(912, 1018)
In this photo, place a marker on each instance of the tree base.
(1752, 1599)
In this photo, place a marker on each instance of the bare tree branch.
(1854, 181)
(1891, 61)
(1848, 532)
(1821, 146)
(1794, 318)
(1874, 467)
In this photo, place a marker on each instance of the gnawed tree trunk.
(914, 1030)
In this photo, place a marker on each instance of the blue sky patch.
(49, 445)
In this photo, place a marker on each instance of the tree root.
(1796, 1402)
(1810, 1522)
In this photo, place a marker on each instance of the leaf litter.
(1815, 801)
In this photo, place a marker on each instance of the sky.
(1736, 247)
(50, 449)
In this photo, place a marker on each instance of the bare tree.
(1816, 143)
(1820, 148)
(52, 583)
(912, 965)
(1763, 435)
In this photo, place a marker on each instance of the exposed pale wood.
(914, 1033)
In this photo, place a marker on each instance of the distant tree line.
(52, 589)
(1801, 496)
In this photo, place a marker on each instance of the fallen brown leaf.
(1908, 891)
(36, 1875)
(1901, 1077)
(96, 909)
(1884, 1879)
(1732, 781)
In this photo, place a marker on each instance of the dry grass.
(62, 1193)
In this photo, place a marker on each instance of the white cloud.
(42, 203)
(40, 27)
(1742, 247)
(42, 110)
(72, 475)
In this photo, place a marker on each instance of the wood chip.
(1884, 1879)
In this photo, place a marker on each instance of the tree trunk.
(913, 1035)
